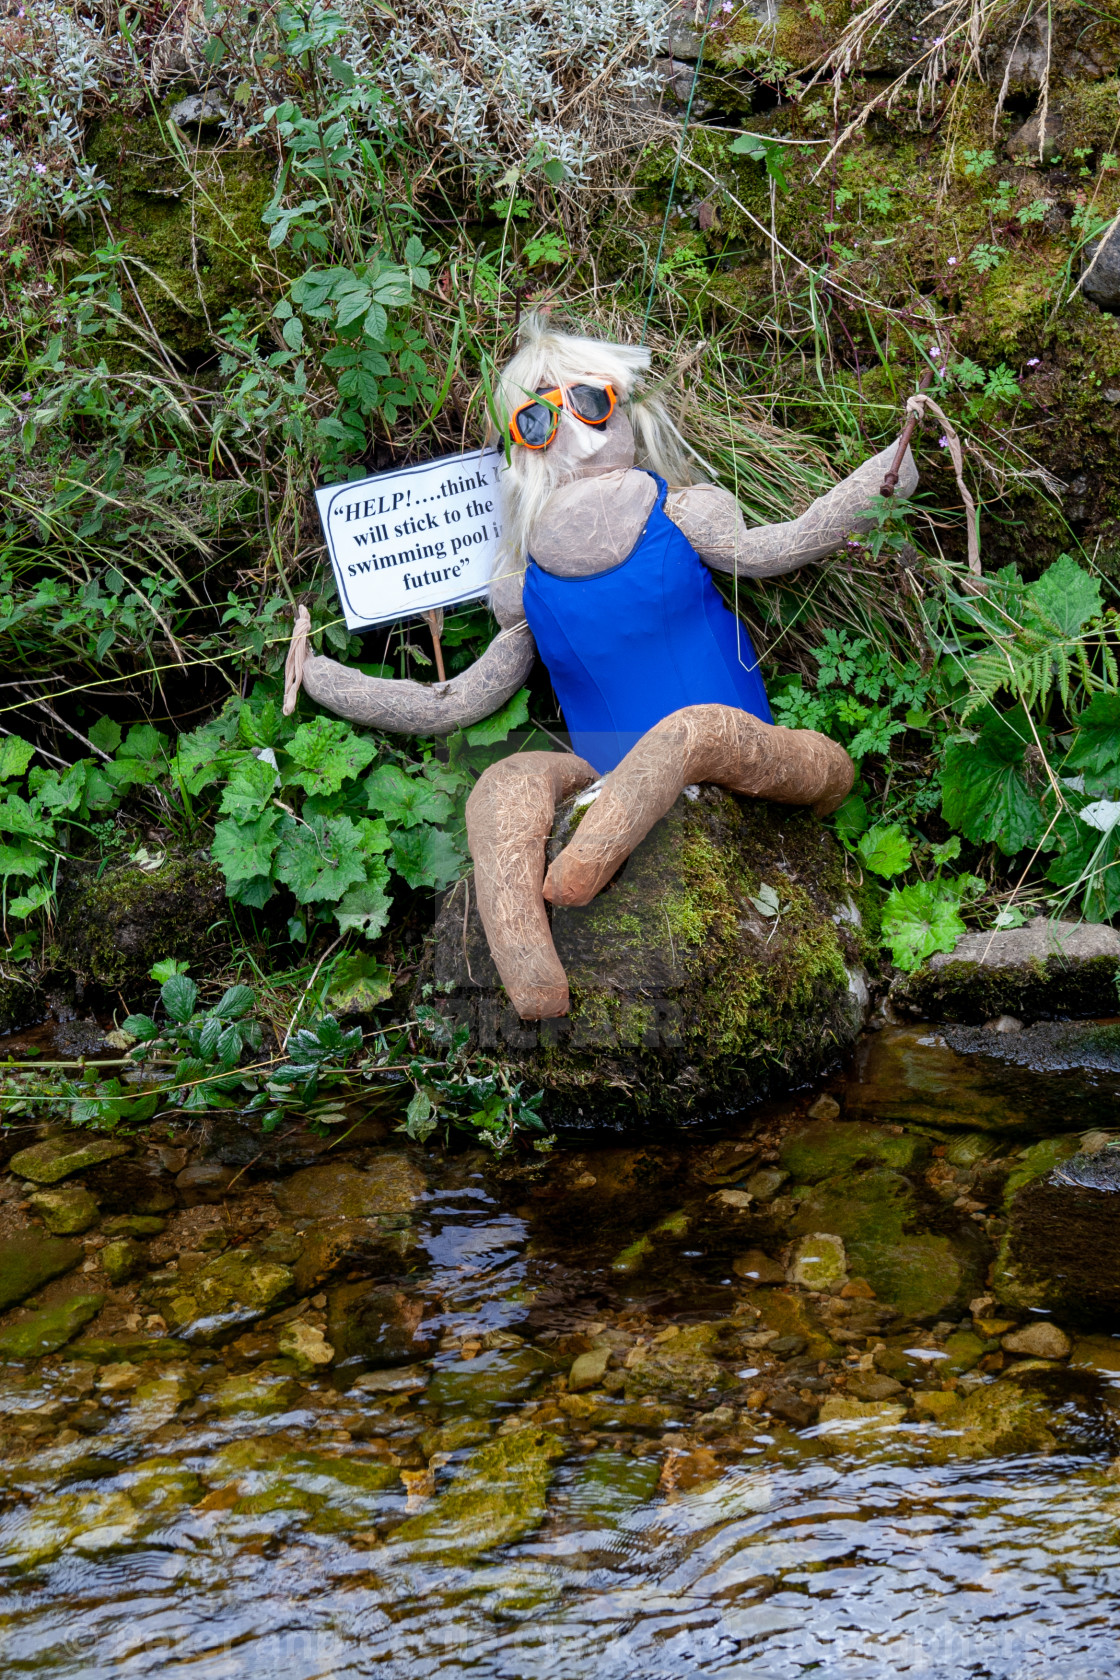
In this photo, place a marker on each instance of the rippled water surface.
(665, 1522)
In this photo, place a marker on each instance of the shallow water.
(677, 1528)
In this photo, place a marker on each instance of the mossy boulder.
(270, 1388)
(1002, 1419)
(50, 1329)
(330, 1493)
(963, 1081)
(336, 1190)
(1060, 1250)
(498, 1496)
(88, 1522)
(121, 1258)
(222, 1294)
(1044, 969)
(111, 928)
(64, 1153)
(66, 1211)
(31, 1259)
(684, 992)
(684, 1366)
(492, 1381)
(21, 1001)
(829, 1147)
(381, 1324)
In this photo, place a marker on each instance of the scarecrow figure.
(604, 571)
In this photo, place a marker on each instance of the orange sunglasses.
(534, 424)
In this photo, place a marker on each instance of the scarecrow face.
(577, 447)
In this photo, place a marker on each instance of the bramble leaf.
(179, 996)
(234, 1003)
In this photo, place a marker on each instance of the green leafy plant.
(205, 1046)
(923, 918)
(306, 1086)
(456, 1089)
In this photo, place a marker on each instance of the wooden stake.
(435, 625)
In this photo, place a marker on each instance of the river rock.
(1043, 969)
(268, 1388)
(879, 1216)
(970, 1081)
(50, 1329)
(498, 1496)
(1041, 1341)
(67, 1211)
(382, 1325)
(231, 1290)
(758, 1267)
(64, 1153)
(30, 1260)
(306, 1345)
(683, 1365)
(1060, 1251)
(588, 1369)
(999, 1418)
(685, 987)
(392, 1185)
(850, 1416)
(120, 1259)
(87, 1522)
(819, 1262)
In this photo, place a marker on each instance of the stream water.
(732, 1402)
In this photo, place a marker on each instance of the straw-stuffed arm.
(713, 522)
(412, 708)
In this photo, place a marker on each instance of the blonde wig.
(548, 357)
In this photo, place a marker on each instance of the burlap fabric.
(509, 818)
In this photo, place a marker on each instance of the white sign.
(404, 542)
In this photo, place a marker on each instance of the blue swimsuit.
(627, 647)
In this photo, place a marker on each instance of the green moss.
(112, 927)
(66, 1211)
(830, 1147)
(878, 1216)
(64, 1153)
(46, 1331)
(29, 1260)
(198, 232)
